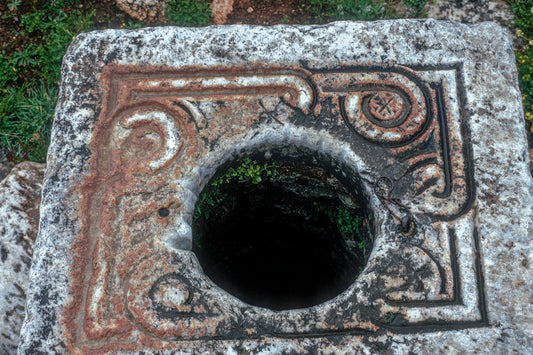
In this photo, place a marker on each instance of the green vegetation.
(417, 6)
(26, 119)
(208, 203)
(331, 10)
(348, 223)
(188, 12)
(360, 10)
(248, 171)
(29, 77)
(523, 11)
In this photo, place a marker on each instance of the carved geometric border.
(307, 102)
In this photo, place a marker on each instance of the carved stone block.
(419, 121)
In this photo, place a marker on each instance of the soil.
(268, 12)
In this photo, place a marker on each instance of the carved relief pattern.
(156, 123)
(387, 107)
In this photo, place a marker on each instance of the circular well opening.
(283, 230)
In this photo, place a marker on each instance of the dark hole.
(287, 236)
(164, 212)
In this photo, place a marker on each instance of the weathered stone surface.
(144, 10)
(420, 120)
(20, 195)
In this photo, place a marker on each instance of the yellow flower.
(73, 37)
(123, 24)
(519, 33)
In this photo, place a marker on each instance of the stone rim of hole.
(303, 159)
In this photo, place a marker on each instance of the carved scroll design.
(417, 137)
(147, 127)
(142, 140)
(171, 307)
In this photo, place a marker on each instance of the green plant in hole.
(248, 171)
(348, 223)
(209, 200)
(213, 198)
(188, 12)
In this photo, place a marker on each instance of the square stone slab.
(422, 120)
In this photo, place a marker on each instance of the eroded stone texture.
(20, 195)
(421, 120)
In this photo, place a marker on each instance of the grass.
(30, 74)
(29, 78)
(523, 11)
(26, 118)
(322, 11)
(188, 12)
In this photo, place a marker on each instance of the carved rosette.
(392, 110)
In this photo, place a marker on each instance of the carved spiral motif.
(149, 137)
(169, 292)
(388, 111)
(167, 304)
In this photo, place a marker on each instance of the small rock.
(220, 9)
(144, 10)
